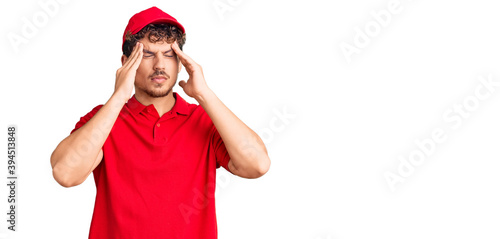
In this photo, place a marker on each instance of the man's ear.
(124, 58)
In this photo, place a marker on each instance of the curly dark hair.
(155, 33)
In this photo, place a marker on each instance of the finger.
(133, 56)
(127, 63)
(138, 58)
(182, 83)
(185, 59)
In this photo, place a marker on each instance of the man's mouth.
(159, 79)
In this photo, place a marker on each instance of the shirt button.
(158, 125)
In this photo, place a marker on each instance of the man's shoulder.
(197, 113)
(86, 118)
(97, 108)
(192, 109)
(94, 111)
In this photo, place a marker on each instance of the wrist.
(203, 96)
(120, 96)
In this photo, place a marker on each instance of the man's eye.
(148, 55)
(169, 55)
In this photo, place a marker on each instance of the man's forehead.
(157, 47)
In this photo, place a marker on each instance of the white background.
(351, 120)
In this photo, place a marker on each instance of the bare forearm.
(247, 151)
(77, 155)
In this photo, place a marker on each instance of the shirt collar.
(180, 106)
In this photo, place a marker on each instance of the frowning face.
(157, 73)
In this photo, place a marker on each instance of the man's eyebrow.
(150, 52)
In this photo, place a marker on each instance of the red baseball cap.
(148, 16)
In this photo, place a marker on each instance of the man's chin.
(155, 90)
(158, 93)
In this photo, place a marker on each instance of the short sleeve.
(86, 118)
(221, 154)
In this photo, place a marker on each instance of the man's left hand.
(195, 85)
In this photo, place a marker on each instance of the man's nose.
(159, 63)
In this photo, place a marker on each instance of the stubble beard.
(155, 91)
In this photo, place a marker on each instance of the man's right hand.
(125, 75)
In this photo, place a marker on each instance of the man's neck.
(161, 104)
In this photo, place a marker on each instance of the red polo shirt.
(157, 175)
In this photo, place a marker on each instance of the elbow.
(261, 168)
(58, 172)
(63, 173)
(60, 177)
(264, 165)
(64, 183)
(257, 169)
(64, 177)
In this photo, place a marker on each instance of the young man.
(154, 155)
